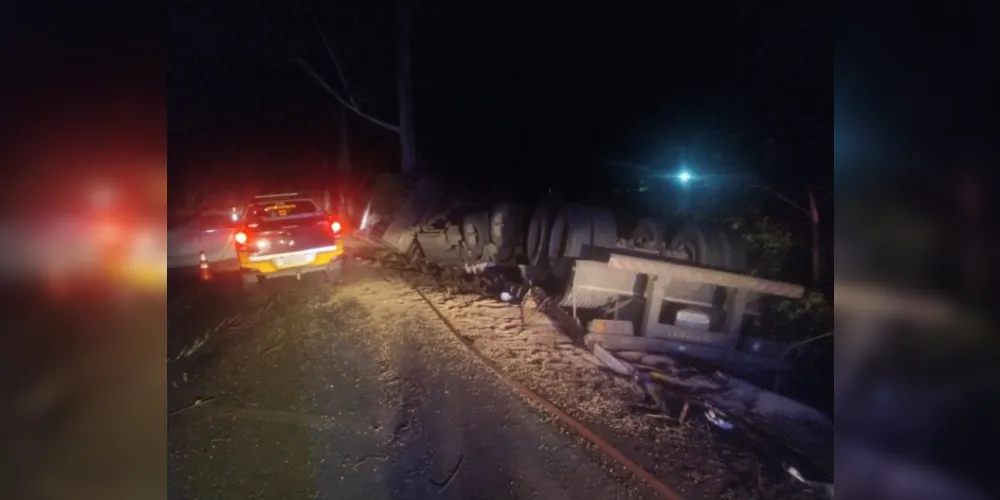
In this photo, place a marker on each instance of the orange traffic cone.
(204, 271)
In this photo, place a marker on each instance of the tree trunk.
(345, 163)
(816, 257)
(407, 135)
(345, 147)
(324, 154)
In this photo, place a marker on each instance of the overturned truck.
(653, 289)
(671, 309)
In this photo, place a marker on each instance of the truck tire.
(704, 244)
(737, 253)
(605, 229)
(506, 229)
(475, 235)
(571, 229)
(650, 230)
(537, 242)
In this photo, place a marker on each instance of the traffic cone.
(204, 271)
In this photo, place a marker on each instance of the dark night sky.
(507, 84)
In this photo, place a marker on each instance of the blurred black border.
(69, 61)
(916, 85)
(915, 149)
(68, 67)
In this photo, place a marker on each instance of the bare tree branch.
(345, 103)
(804, 342)
(777, 375)
(336, 63)
(790, 202)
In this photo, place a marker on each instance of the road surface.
(354, 390)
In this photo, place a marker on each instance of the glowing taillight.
(240, 237)
(335, 226)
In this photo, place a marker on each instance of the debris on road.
(611, 326)
(273, 348)
(363, 460)
(826, 488)
(718, 420)
(193, 348)
(197, 402)
(614, 364)
(540, 344)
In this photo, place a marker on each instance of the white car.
(210, 232)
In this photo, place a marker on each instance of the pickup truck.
(286, 235)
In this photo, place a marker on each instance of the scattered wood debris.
(540, 344)
(197, 402)
(272, 348)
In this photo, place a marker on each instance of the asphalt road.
(353, 390)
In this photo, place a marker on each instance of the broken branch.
(272, 348)
(790, 202)
(804, 342)
(336, 63)
(348, 105)
(197, 402)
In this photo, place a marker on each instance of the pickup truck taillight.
(333, 225)
(244, 239)
(247, 240)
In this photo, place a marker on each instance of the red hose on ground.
(654, 483)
